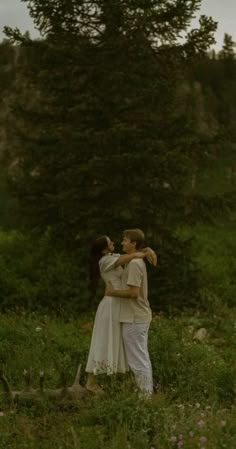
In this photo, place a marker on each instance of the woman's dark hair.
(96, 252)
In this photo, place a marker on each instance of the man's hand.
(132, 292)
(109, 289)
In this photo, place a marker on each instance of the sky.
(14, 13)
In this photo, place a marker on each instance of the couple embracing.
(120, 333)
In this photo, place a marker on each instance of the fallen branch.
(71, 393)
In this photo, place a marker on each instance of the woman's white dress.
(106, 353)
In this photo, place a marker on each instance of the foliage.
(99, 125)
(214, 251)
(9, 218)
(99, 139)
(184, 365)
(35, 276)
(97, 118)
(174, 285)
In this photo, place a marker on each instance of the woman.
(106, 354)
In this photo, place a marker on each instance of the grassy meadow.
(193, 405)
(193, 357)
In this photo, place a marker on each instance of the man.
(135, 312)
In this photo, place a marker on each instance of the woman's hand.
(152, 258)
(150, 255)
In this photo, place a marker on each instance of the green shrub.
(189, 368)
(214, 251)
(36, 276)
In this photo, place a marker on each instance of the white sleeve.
(107, 263)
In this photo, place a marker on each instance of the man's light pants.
(135, 337)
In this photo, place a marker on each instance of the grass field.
(193, 406)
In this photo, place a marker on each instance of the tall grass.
(193, 405)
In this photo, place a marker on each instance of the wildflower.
(203, 439)
(198, 405)
(202, 414)
(38, 329)
(191, 433)
(180, 443)
(223, 423)
(201, 423)
(173, 439)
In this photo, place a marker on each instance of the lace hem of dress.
(105, 367)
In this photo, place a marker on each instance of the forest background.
(120, 116)
(111, 123)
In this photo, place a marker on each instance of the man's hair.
(135, 235)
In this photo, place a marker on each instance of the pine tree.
(105, 119)
(228, 49)
(103, 139)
